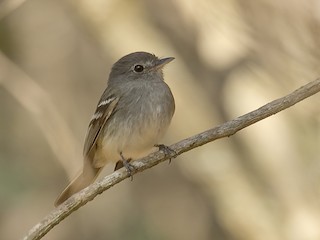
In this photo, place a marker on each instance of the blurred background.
(232, 56)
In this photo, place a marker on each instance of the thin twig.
(224, 130)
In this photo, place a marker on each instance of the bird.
(132, 115)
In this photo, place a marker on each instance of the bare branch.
(224, 130)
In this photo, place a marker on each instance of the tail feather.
(80, 182)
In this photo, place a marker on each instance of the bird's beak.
(162, 61)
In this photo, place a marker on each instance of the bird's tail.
(88, 175)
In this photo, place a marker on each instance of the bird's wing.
(103, 112)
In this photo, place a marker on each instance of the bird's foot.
(126, 163)
(167, 151)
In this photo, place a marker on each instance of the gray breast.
(143, 115)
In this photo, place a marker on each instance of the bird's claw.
(129, 167)
(167, 151)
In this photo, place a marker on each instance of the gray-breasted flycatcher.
(132, 115)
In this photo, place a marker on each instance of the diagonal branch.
(224, 130)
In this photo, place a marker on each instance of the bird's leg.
(166, 150)
(130, 169)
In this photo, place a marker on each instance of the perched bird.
(132, 115)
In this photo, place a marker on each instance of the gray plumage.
(132, 115)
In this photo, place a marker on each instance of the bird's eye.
(138, 68)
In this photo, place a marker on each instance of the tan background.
(231, 57)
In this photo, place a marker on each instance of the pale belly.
(133, 140)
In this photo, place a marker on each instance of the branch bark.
(224, 130)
